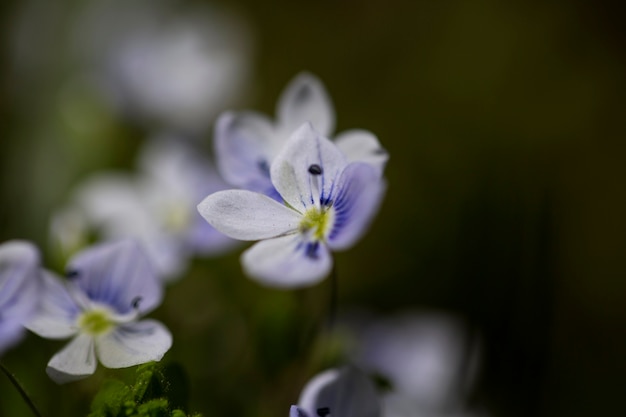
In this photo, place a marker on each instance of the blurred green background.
(506, 204)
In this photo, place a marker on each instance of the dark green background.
(505, 206)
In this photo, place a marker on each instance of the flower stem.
(21, 390)
(334, 290)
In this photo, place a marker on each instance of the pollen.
(317, 221)
(95, 322)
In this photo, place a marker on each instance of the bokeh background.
(505, 208)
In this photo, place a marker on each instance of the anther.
(71, 274)
(135, 302)
(315, 169)
(323, 412)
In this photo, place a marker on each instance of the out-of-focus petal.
(305, 100)
(287, 262)
(305, 170)
(245, 145)
(359, 194)
(362, 146)
(118, 274)
(346, 392)
(246, 215)
(295, 411)
(57, 313)
(77, 360)
(133, 344)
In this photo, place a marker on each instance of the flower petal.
(346, 392)
(56, 316)
(358, 197)
(245, 144)
(246, 215)
(305, 100)
(362, 146)
(117, 274)
(287, 262)
(75, 361)
(305, 170)
(295, 411)
(133, 344)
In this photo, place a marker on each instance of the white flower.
(20, 289)
(246, 143)
(157, 206)
(344, 392)
(329, 204)
(108, 288)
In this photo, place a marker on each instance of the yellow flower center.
(95, 322)
(317, 220)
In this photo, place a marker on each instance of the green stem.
(334, 290)
(21, 390)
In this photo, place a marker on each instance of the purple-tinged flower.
(344, 392)
(20, 288)
(246, 143)
(108, 288)
(329, 202)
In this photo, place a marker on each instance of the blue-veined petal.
(305, 100)
(246, 215)
(305, 170)
(118, 274)
(287, 262)
(344, 392)
(77, 360)
(57, 313)
(358, 196)
(362, 146)
(133, 344)
(245, 144)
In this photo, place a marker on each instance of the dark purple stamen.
(315, 169)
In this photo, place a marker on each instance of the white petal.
(305, 100)
(133, 344)
(77, 360)
(246, 215)
(245, 145)
(346, 392)
(287, 262)
(291, 170)
(56, 316)
(362, 146)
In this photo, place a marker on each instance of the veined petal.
(345, 392)
(305, 100)
(118, 274)
(245, 144)
(287, 262)
(305, 170)
(246, 215)
(133, 344)
(57, 312)
(75, 361)
(358, 197)
(362, 146)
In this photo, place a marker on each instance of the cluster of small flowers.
(299, 193)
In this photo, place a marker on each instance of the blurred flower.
(20, 289)
(157, 206)
(329, 204)
(429, 359)
(344, 392)
(108, 288)
(165, 63)
(246, 143)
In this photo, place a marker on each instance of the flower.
(108, 288)
(246, 143)
(20, 287)
(329, 204)
(157, 206)
(344, 392)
